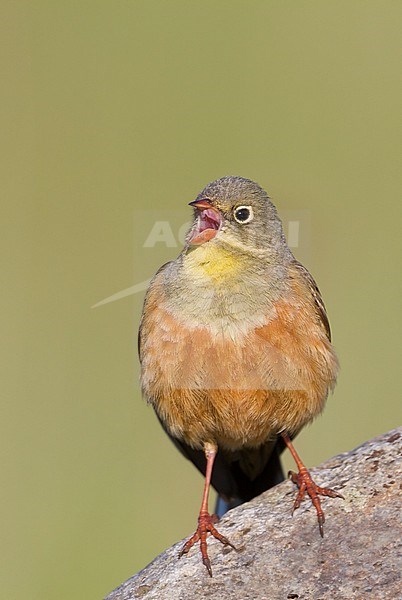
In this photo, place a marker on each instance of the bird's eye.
(243, 214)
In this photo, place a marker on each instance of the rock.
(281, 557)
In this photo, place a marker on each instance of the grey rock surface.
(283, 557)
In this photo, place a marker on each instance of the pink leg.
(305, 483)
(205, 520)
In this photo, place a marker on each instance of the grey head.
(237, 211)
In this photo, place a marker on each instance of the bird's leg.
(305, 483)
(205, 520)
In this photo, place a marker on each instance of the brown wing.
(140, 329)
(316, 295)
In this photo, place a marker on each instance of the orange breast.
(235, 391)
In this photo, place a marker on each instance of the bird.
(235, 352)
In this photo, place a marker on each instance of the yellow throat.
(215, 261)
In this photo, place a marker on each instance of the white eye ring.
(247, 214)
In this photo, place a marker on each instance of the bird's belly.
(232, 419)
(234, 392)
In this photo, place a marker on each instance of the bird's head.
(236, 212)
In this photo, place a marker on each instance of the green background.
(116, 112)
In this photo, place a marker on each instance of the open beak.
(208, 223)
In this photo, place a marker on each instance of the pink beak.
(208, 223)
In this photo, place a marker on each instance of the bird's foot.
(205, 525)
(305, 483)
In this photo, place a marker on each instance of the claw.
(194, 538)
(321, 520)
(207, 563)
(305, 483)
(205, 526)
